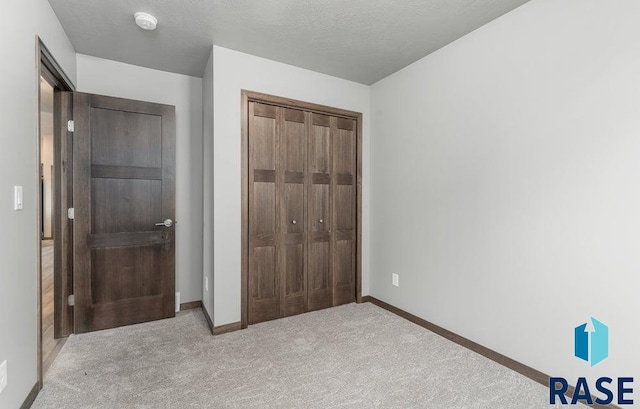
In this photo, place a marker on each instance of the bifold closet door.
(293, 203)
(332, 211)
(277, 197)
(302, 211)
(320, 287)
(264, 212)
(343, 191)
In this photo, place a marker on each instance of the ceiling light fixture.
(145, 21)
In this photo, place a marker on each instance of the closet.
(302, 207)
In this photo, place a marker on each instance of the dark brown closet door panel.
(320, 286)
(320, 289)
(293, 265)
(319, 145)
(264, 210)
(344, 199)
(293, 204)
(264, 145)
(320, 216)
(263, 137)
(264, 301)
(293, 151)
(321, 120)
(294, 291)
(344, 152)
(293, 141)
(291, 249)
(264, 110)
(266, 287)
(344, 268)
(346, 124)
(264, 280)
(300, 208)
(343, 186)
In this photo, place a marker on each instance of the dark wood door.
(332, 215)
(320, 267)
(124, 184)
(302, 211)
(264, 214)
(343, 187)
(277, 162)
(63, 227)
(293, 202)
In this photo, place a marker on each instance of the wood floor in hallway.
(50, 345)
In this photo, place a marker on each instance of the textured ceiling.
(106, 29)
(359, 40)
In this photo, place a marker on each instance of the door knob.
(166, 223)
(320, 221)
(294, 222)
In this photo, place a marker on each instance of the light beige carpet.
(353, 356)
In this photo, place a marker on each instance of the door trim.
(251, 96)
(48, 67)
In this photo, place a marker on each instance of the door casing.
(251, 96)
(48, 67)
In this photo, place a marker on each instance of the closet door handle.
(320, 221)
(294, 222)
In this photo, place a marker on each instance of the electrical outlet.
(395, 279)
(3, 376)
(206, 283)
(177, 302)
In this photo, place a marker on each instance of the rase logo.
(591, 344)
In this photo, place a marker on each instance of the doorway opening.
(47, 210)
(54, 197)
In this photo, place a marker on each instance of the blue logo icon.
(592, 344)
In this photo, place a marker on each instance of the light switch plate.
(17, 198)
(3, 376)
(395, 279)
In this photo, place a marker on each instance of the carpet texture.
(353, 356)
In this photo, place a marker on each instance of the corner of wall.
(207, 189)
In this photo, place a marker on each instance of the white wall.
(505, 184)
(207, 188)
(233, 71)
(105, 77)
(20, 22)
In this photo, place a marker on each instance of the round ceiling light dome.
(145, 21)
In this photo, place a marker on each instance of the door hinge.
(71, 213)
(71, 300)
(71, 126)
